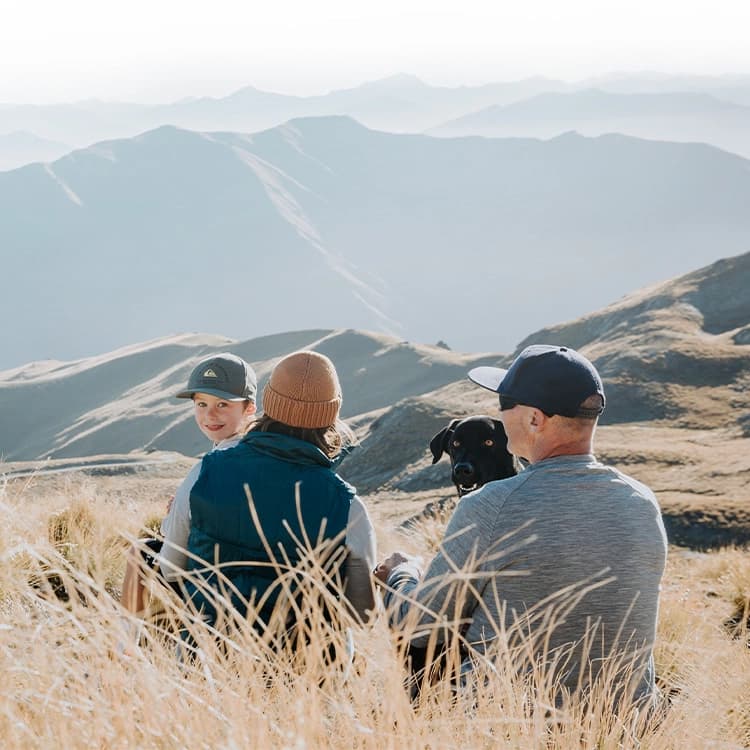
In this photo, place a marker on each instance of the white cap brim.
(488, 377)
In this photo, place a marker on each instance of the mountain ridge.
(688, 116)
(119, 402)
(677, 417)
(367, 229)
(397, 103)
(679, 349)
(652, 348)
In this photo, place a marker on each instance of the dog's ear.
(436, 445)
(439, 443)
(500, 430)
(511, 463)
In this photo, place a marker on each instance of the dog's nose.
(463, 471)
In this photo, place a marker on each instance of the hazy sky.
(157, 50)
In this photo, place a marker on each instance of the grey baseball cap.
(225, 376)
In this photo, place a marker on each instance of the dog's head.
(478, 450)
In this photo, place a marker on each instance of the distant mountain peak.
(251, 91)
(26, 137)
(326, 122)
(569, 136)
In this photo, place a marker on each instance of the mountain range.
(120, 402)
(400, 103)
(675, 362)
(20, 147)
(674, 358)
(731, 88)
(683, 117)
(676, 353)
(324, 223)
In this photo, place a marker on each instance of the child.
(222, 388)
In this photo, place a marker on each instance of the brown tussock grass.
(68, 681)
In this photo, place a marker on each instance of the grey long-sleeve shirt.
(566, 522)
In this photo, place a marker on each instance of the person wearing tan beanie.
(303, 391)
(286, 464)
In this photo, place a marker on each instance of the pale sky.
(161, 50)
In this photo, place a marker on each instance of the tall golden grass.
(73, 678)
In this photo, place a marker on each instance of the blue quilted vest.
(222, 529)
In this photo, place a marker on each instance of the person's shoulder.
(639, 488)
(490, 496)
(623, 487)
(224, 450)
(636, 486)
(193, 473)
(227, 443)
(221, 455)
(358, 509)
(347, 490)
(500, 489)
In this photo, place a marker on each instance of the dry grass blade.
(68, 684)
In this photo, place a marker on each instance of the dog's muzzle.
(464, 477)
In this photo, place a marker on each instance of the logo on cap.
(210, 374)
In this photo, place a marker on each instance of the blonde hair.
(248, 422)
(331, 440)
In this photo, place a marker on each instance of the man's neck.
(567, 448)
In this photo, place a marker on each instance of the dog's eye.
(456, 443)
(489, 442)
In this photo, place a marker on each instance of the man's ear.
(250, 408)
(537, 419)
(439, 443)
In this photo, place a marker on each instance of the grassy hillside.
(69, 682)
(677, 353)
(674, 358)
(124, 401)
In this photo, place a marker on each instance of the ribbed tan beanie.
(303, 391)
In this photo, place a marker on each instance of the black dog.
(478, 450)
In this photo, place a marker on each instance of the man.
(567, 556)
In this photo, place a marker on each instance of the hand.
(383, 570)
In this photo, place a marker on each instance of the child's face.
(219, 419)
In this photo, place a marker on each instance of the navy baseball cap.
(555, 379)
(225, 376)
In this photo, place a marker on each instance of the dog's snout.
(463, 470)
